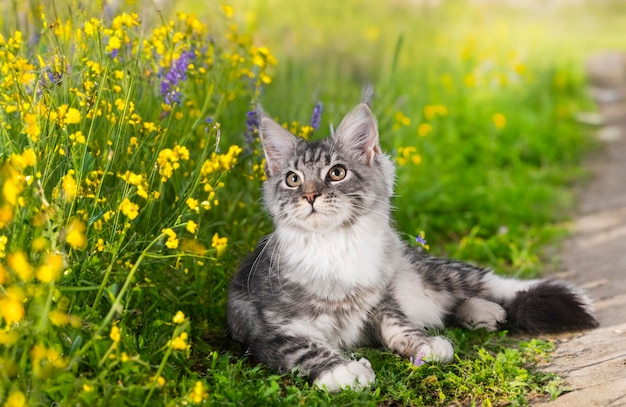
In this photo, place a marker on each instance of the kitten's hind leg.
(475, 313)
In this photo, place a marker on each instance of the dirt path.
(593, 363)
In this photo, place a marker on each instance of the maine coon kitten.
(335, 275)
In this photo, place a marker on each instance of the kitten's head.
(330, 183)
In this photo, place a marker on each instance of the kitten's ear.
(278, 143)
(358, 132)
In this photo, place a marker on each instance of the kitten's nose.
(310, 197)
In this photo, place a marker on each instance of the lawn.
(130, 180)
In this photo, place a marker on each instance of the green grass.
(99, 249)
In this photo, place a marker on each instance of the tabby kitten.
(335, 275)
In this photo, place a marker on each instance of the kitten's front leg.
(355, 374)
(324, 364)
(398, 334)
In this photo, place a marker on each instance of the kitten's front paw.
(354, 374)
(436, 349)
(476, 313)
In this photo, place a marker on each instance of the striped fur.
(335, 275)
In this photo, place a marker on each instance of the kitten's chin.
(317, 222)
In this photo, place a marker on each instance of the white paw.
(476, 313)
(354, 374)
(438, 349)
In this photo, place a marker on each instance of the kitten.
(335, 275)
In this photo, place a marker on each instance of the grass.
(129, 194)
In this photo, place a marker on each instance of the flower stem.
(116, 306)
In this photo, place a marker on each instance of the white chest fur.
(332, 265)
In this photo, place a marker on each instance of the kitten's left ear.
(358, 132)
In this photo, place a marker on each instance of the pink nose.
(310, 197)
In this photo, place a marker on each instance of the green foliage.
(112, 170)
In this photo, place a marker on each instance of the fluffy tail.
(550, 307)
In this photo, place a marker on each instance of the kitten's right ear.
(278, 143)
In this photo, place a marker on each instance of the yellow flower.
(137, 180)
(91, 26)
(193, 204)
(8, 339)
(179, 318)
(18, 262)
(219, 244)
(6, 216)
(402, 119)
(499, 120)
(182, 152)
(4, 276)
(3, 246)
(470, 80)
(424, 129)
(149, 127)
(113, 44)
(192, 246)
(198, 394)
(58, 318)
(52, 356)
(37, 353)
(180, 342)
(78, 137)
(192, 227)
(11, 310)
(70, 187)
(39, 244)
(172, 241)
(11, 305)
(406, 154)
(11, 190)
(432, 111)
(129, 209)
(51, 269)
(29, 157)
(115, 334)
(165, 159)
(228, 10)
(75, 234)
(32, 128)
(72, 116)
(16, 399)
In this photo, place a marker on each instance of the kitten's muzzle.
(310, 197)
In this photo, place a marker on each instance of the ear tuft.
(358, 132)
(278, 143)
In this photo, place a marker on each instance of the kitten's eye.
(293, 180)
(337, 173)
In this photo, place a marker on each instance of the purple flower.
(174, 76)
(252, 124)
(419, 239)
(54, 78)
(316, 117)
(417, 359)
(208, 122)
